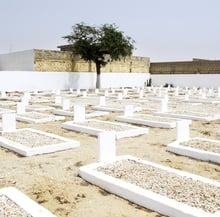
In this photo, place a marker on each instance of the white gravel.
(30, 139)
(9, 208)
(203, 145)
(186, 190)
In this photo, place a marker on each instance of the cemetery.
(151, 146)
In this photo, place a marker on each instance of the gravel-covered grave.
(181, 187)
(29, 142)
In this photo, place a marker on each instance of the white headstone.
(106, 93)
(113, 90)
(3, 94)
(9, 122)
(58, 92)
(163, 105)
(27, 95)
(218, 91)
(119, 96)
(21, 108)
(58, 100)
(71, 90)
(96, 90)
(186, 96)
(141, 94)
(78, 92)
(79, 113)
(102, 100)
(25, 100)
(129, 110)
(66, 104)
(84, 93)
(107, 148)
(176, 91)
(182, 130)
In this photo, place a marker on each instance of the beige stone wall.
(187, 67)
(48, 60)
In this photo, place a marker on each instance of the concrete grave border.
(189, 116)
(114, 109)
(151, 123)
(133, 131)
(24, 202)
(143, 197)
(48, 118)
(71, 113)
(28, 151)
(199, 154)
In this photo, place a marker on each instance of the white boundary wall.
(21, 60)
(191, 80)
(31, 80)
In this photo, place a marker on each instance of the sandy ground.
(52, 179)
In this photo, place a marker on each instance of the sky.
(164, 30)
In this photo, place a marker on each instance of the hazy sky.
(164, 30)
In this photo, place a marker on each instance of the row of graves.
(126, 176)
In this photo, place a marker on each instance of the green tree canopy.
(97, 43)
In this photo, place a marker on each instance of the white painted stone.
(113, 90)
(71, 90)
(25, 100)
(120, 96)
(129, 110)
(163, 105)
(107, 150)
(186, 97)
(27, 95)
(176, 93)
(102, 100)
(218, 91)
(58, 92)
(66, 104)
(182, 130)
(3, 93)
(8, 122)
(159, 92)
(84, 93)
(141, 94)
(96, 90)
(58, 99)
(21, 108)
(203, 95)
(78, 92)
(106, 93)
(125, 92)
(79, 113)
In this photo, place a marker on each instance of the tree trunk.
(98, 73)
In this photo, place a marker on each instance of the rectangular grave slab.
(28, 142)
(94, 127)
(114, 109)
(198, 148)
(17, 203)
(39, 108)
(71, 113)
(156, 187)
(37, 117)
(197, 116)
(149, 120)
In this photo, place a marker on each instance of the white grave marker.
(102, 100)
(96, 91)
(107, 148)
(9, 122)
(119, 96)
(128, 111)
(164, 105)
(3, 94)
(21, 108)
(84, 93)
(58, 100)
(79, 113)
(66, 104)
(182, 130)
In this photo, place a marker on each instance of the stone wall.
(186, 67)
(65, 61)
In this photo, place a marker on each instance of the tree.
(99, 44)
